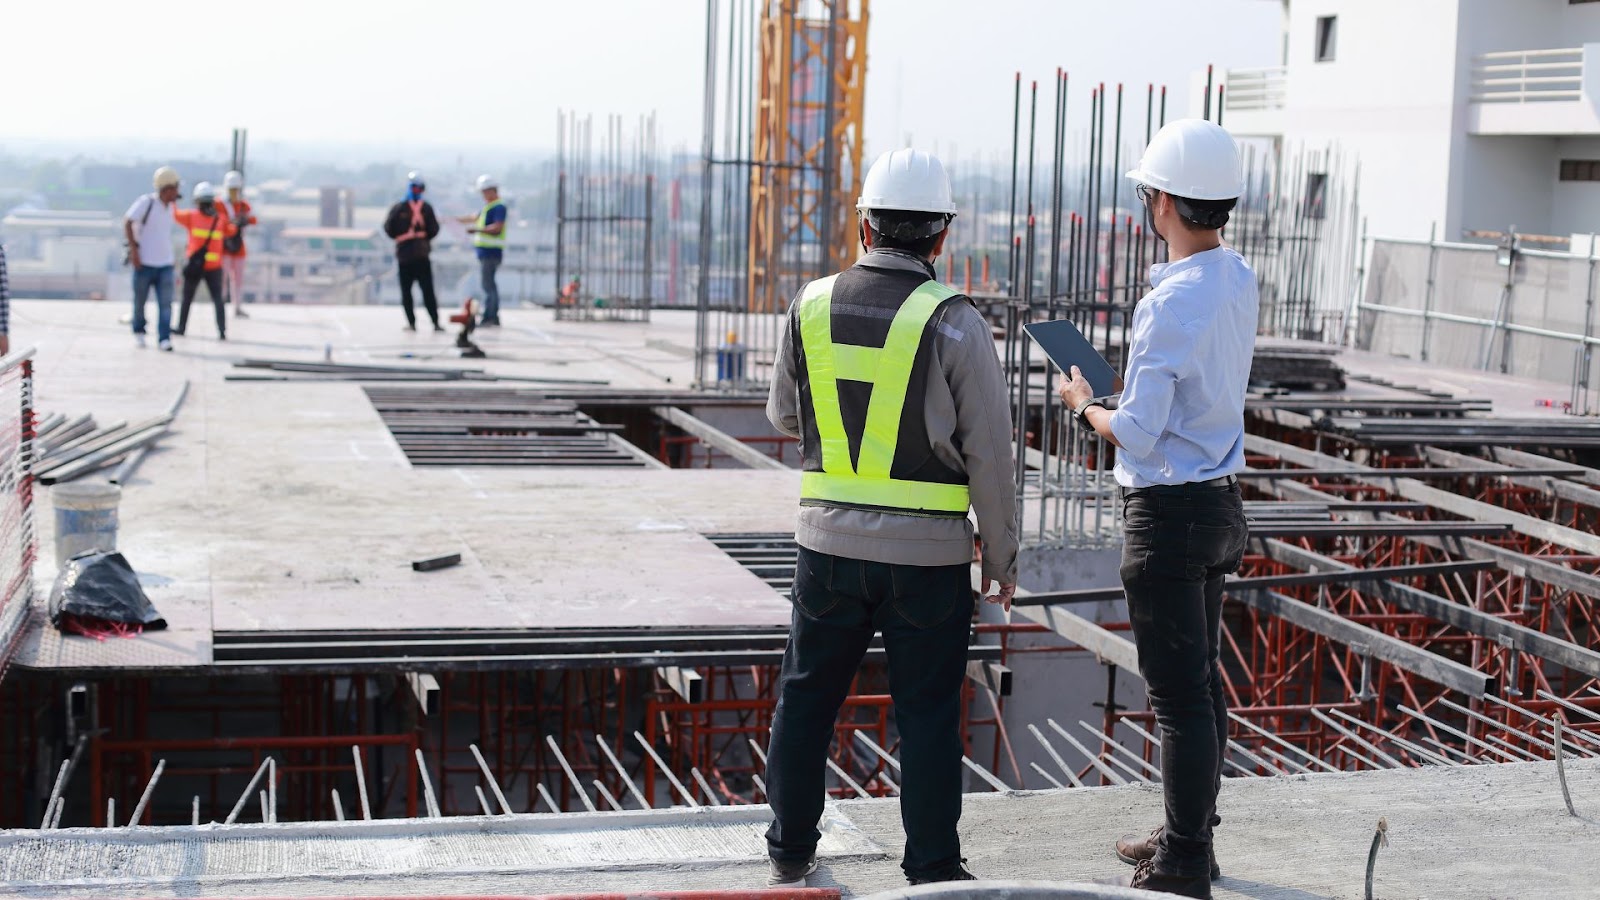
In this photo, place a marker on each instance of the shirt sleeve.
(783, 402)
(495, 216)
(984, 434)
(136, 211)
(1156, 357)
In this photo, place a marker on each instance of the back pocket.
(924, 596)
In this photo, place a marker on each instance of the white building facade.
(1465, 115)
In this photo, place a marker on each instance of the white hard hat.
(909, 180)
(205, 191)
(414, 177)
(234, 179)
(165, 176)
(1193, 159)
(486, 182)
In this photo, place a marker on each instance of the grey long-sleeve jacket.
(968, 415)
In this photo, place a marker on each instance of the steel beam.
(1548, 479)
(719, 440)
(1411, 489)
(1440, 609)
(1372, 642)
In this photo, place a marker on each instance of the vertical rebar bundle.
(605, 219)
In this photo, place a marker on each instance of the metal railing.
(1527, 76)
(1523, 312)
(1256, 90)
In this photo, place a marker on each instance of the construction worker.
(147, 229)
(208, 226)
(412, 225)
(892, 384)
(1179, 433)
(488, 230)
(237, 209)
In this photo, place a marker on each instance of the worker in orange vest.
(208, 225)
(237, 210)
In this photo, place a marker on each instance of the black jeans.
(925, 614)
(1181, 542)
(213, 282)
(418, 272)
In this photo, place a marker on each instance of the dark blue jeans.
(160, 278)
(487, 266)
(1181, 542)
(925, 614)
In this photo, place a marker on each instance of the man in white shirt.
(1179, 433)
(148, 228)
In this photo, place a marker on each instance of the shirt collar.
(1162, 271)
(898, 260)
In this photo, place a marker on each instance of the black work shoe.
(957, 872)
(1147, 877)
(790, 874)
(1133, 849)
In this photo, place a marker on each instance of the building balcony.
(1536, 92)
(1254, 101)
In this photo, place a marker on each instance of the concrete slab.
(1473, 832)
(288, 505)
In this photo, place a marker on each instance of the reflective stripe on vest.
(419, 228)
(490, 241)
(888, 370)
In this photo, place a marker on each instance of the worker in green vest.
(892, 384)
(488, 230)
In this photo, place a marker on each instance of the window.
(1327, 37)
(1316, 195)
(285, 298)
(1580, 169)
(286, 271)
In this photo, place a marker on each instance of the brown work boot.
(1133, 849)
(1147, 877)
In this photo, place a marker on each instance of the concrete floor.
(1478, 832)
(288, 505)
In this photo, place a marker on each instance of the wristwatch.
(1079, 410)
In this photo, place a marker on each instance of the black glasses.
(1145, 192)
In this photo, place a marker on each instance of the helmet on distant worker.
(234, 179)
(486, 182)
(414, 179)
(166, 176)
(906, 196)
(204, 191)
(1197, 164)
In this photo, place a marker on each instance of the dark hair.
(1203, 215)
(895, 229)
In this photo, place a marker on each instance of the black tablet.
(1067, 347)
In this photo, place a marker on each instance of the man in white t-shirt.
(148, 228)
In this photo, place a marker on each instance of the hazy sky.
(398, 76)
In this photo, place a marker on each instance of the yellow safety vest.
(888, 370)
(490, 241)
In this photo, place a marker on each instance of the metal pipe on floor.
(606, 795)
(1054, 756)
(544, 794)
(1094, 758)
(621, 772)
(572, 777)
(361, 783)
(1112, 742)
(483, 801)
(1047, 776)
(338, 806)
(671, 778)
(694, 772)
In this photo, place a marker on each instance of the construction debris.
(437, 562)
(1300, 367)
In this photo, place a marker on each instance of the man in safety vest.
(892, 384)
(412, 225)
(207, 225)
(237, 209)
(488, 230)
(1179, 433)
